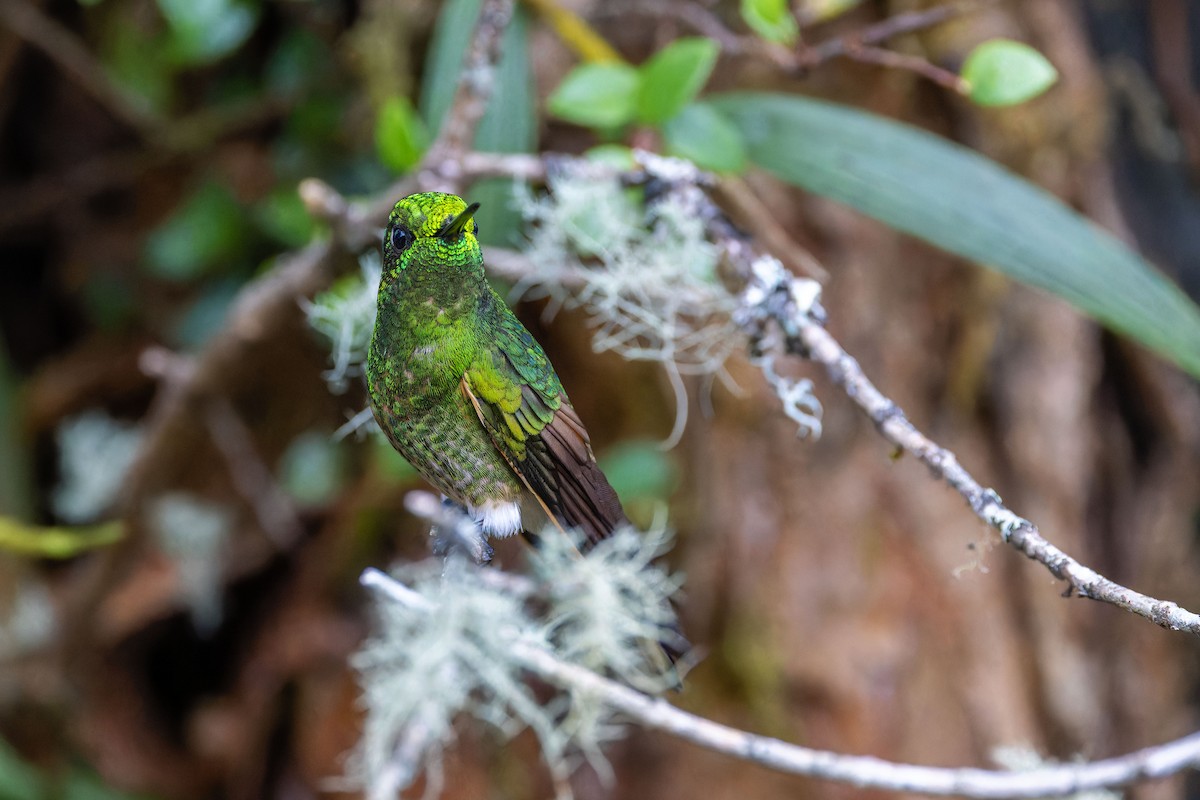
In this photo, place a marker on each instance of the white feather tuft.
(498, 517)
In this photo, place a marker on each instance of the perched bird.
(464, 392)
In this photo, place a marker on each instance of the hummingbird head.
(431, 231)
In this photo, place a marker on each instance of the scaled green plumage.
(463, 390)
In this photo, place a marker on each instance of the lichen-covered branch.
(780, 298)
(861, 771)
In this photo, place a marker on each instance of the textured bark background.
(843, 599)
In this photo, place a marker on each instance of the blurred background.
(178, 603)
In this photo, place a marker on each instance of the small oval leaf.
(673, 77)
(771, 19)
(1002, 72)
(597, 95)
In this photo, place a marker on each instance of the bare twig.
(861, 771)
(474, 85)
(64, 48)
(909, 22)
(914, 64)
(807, 336)
(234, 441)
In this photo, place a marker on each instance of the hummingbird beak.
(458, 224)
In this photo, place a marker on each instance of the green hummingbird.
(462, 389)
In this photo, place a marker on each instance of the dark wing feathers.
(522, 406)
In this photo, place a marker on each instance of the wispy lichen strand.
(445, 649)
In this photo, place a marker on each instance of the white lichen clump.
(95, 452)
(648, 272)
(193, 534)
(448, 642)
(28, 622)
(345, 315)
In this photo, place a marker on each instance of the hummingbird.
(465, 393)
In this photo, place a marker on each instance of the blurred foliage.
(243, 100)
(20, 780)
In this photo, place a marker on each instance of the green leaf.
(597, 95)
(771, 19)
(140, 65)
(1002, 72)
(18, 780)
(203, 31)
(673, 77)
(703, 135)
(207, 231)
(963, 202)
(400, 135)
(510, 123)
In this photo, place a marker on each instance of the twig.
(908, 22)
(474, 86)
(861, 771)
(575, 33)
(234, 441)
(807, 337)
(63, 48)
(915, 64)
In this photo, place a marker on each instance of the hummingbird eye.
(402, 238)
(474, 228)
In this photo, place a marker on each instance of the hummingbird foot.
(465, 535)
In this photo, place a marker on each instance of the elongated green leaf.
(510, 124)
(963, 202)
(673, 78)
(707, 137)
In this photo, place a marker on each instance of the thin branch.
(860, 771)
(806, 336)
(233, 439)
(917, 65)
(475, 84)
(815, 343)
(908, 22)
(64, 49)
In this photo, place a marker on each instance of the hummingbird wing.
(522, 406)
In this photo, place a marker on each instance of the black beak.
(458, 224)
